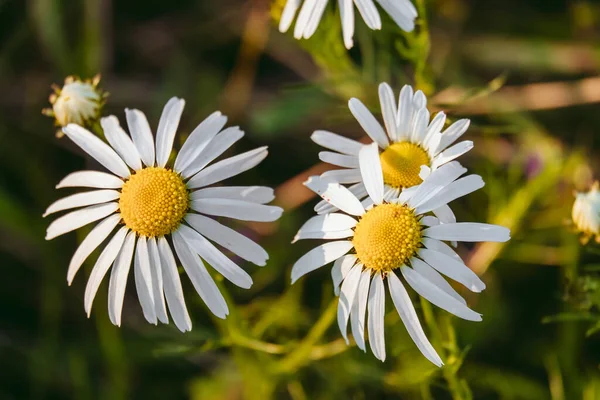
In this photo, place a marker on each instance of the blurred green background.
(524, 71)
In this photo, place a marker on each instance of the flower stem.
(302, 354)
(456, 386)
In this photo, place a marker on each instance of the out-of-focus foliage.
(524, 71)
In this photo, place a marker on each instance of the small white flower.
(586, 213)
(411, 146)
(373, 244)
(403, 12)
(146, 201)
(78, 102)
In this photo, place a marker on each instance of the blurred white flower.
(78, 101)
(403, 12)
(146, 202)
(586, 213)
(372, 244)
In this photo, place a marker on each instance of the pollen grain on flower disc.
(154, 201)
(386, 237)
(401, 163)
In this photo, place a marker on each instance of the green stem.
(455, 385)
(302, 354)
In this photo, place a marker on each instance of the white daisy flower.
(373, 244)
(411, 146)
(146, 202)
(586, 213)
(78, 102)
(403, 12)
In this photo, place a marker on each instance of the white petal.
(335, 142)
(369, 13)
(435, 182)
(106, 258)
(288, 14)
(201, 279)
(409, 317)
(452, 133)
(315, 18)
(444, 214)
(340, 160)
(227, 168)
(368, 122)
(97, 149)
(372, 174)
(340, 269)
(205, 249)
(376, 304)
(79, 218)
(435, 277)
(389, 110)
(405, 112)
(328, 226)
(172, 287)
(143, 280)
(229, 239)
(141, 135)
(82, 200)
(304, 18)
(343, 176)
(358, 190)
(319, 256)
(347, 17)
(118, 279)
(121, 142)
(335, 194)
(199, 139)
(214, 149)
(165, 134)
(469, 232)
(442, 247)
(453, 269)
(91, 243)
(252, 194)
(347, 297)
(238, 209)
(433, 134)
(453, 191)
(93, 179)
(429, 221)
(359, 308)
(437, 296)
(399, 13)
(406, 194)
(419, 126)
(157, 281)
(452, 153)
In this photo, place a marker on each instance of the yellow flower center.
(386, 237)
(401, 163)
(154, 201)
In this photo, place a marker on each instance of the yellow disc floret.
(401, 163)
(154, 201)
(386, 237)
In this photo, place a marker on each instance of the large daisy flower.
(146, 202)
(411, 146)
(376, 243)
(403, 13)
